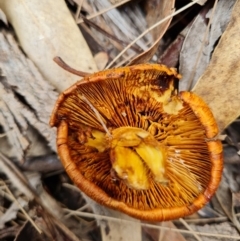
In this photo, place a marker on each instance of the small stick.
(65, 66)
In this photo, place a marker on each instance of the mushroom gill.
(130, 141)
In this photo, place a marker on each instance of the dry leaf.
(46, 29)
(170, 57)
(101, 60)
(201, 2)
(156, 10)
(189, 52)
(3, 17)
(224, 196)
(219, 85)
(197, 49)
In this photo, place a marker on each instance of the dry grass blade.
(148, 30)
(104, 11)
(22, 209)
(189, 228)
(52, 224)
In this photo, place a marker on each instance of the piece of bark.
(27, 97)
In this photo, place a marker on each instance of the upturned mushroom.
(130, 141)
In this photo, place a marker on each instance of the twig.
(65, 66)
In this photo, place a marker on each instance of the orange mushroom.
(131, 142)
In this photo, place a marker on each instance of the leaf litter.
(111, 49)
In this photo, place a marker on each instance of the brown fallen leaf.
(170, 56)
(156, 10)
(219, 85)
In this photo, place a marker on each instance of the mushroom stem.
(65, 66)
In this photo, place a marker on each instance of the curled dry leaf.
(43, 28)
(156, 10)
(174, 161)
(219, 85)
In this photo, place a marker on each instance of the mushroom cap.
(144, 97)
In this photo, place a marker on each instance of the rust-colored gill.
(159, 158)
